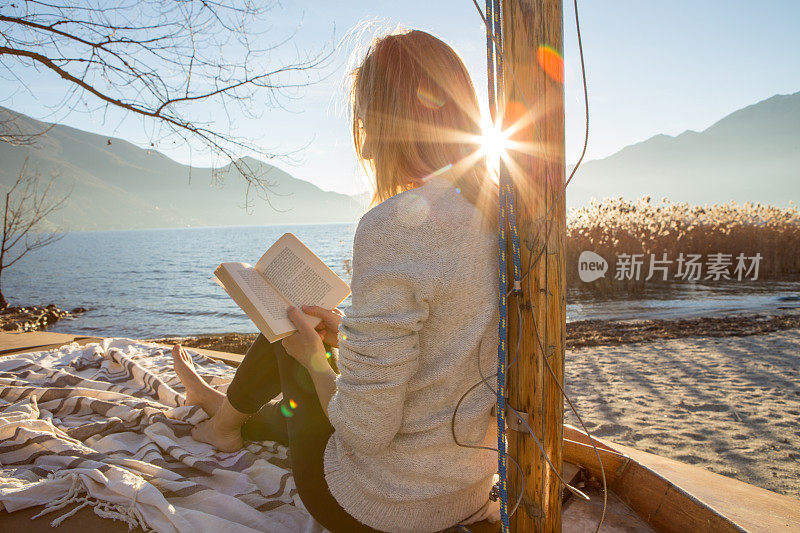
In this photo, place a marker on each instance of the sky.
(652, 68)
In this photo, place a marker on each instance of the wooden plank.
(749, 507)
(665, 505)
(581, 516)
(36, 341)
(675, 497)
(233, 359)
(656, 500)
(660, 503)
(16, 342)
(536, 167)
(585, 455)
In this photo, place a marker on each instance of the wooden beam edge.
(232, 359)
(661, 500)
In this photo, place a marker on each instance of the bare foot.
(223, 430)
(224, 440)
(198, 392)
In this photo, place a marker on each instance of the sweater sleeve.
(378, 338)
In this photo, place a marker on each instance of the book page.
(300, 276)
(264, 297)
(224, 279)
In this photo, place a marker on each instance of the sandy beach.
(728, 404)
(722, 393)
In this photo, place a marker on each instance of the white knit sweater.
(424, 300)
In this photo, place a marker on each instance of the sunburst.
(494, 145)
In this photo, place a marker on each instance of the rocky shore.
(580, 334)
(222, 342)
(615, 332)
(34, 317)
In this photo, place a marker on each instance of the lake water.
(151, 283)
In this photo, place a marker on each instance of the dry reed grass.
(616, 226)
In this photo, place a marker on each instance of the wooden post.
(533, 49)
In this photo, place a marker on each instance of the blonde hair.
(413, 98)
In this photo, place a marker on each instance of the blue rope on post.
(490, 59)
(507, 216)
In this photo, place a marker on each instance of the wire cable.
(530, 108)
(493, 45)
(578, 416)
(485, 381)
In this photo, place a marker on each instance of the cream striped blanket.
(104, 426)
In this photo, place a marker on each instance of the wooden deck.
(37, 341)
(666, 495)
(34, 341)
(676, 497)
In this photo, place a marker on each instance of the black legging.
(297, 421)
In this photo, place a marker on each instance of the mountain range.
(114, 184)
(753, 154)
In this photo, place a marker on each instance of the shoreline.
(585, 333)
(580, 334)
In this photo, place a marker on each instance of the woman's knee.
(260, 345)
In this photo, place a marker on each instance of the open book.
(287, 274)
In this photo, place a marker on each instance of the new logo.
(591, 266)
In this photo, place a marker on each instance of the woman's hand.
(329, 327)
(305, 344)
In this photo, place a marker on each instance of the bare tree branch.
(26, 207)
(160, 59)
(11, 133)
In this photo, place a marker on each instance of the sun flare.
(494, 144)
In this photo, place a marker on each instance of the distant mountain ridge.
(117, 185)
(752, 154)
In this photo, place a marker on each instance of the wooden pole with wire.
(533, 73)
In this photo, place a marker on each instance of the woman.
(372, 448)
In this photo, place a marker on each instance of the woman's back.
(423, 313)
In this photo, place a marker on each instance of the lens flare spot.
(428, 98)
(302, 378)
(286, 411)
(292, 404)
(318, 365)
(327, 355)
(551, 62)
(413, 210)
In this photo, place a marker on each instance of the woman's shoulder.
(424, 232)
(424, 213)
